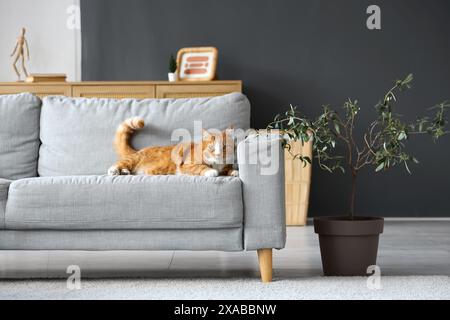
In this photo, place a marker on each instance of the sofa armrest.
(4, 186)
(261, 169)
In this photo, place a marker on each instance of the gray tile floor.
(406, 248)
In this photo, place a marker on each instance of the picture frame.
(197, 64)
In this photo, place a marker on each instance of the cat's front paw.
(233, 173)
(211, 173)
(125, 172)
(113, 171)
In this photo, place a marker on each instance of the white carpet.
(393, 287)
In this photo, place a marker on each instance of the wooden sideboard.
(127, 89)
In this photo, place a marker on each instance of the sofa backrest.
(19, 135)
(77, 133)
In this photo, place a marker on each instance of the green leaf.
(407, 168)
(380, 167)
(336, 127)
(305, 163)
(307, 159)
(402, 135)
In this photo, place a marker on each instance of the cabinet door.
(196, 90)
(114, 91)
(39, 90)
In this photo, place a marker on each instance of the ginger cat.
(212, 157)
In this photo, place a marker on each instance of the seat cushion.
(77, 133)
(124, 202)
(19, 135)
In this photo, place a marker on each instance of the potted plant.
(349, 244)
(172, 69)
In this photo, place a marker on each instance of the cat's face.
(218, 148)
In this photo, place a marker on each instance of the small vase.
(172, 76)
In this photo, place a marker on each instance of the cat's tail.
(123, 134)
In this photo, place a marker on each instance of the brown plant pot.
(347, 246)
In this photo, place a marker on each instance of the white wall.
(54, 47)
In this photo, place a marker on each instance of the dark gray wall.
(304, 52)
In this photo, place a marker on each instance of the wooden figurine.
(19, 53)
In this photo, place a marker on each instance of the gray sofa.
(55, 195)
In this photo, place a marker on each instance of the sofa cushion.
(4, 185)
(124, 202)
(77, 133)
(19, 135)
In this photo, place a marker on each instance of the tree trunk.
(352, 195)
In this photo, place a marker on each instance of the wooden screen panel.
(195, 91)
(297, 184)
(114, 91)
(39, 90)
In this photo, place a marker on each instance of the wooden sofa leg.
(265, 264)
